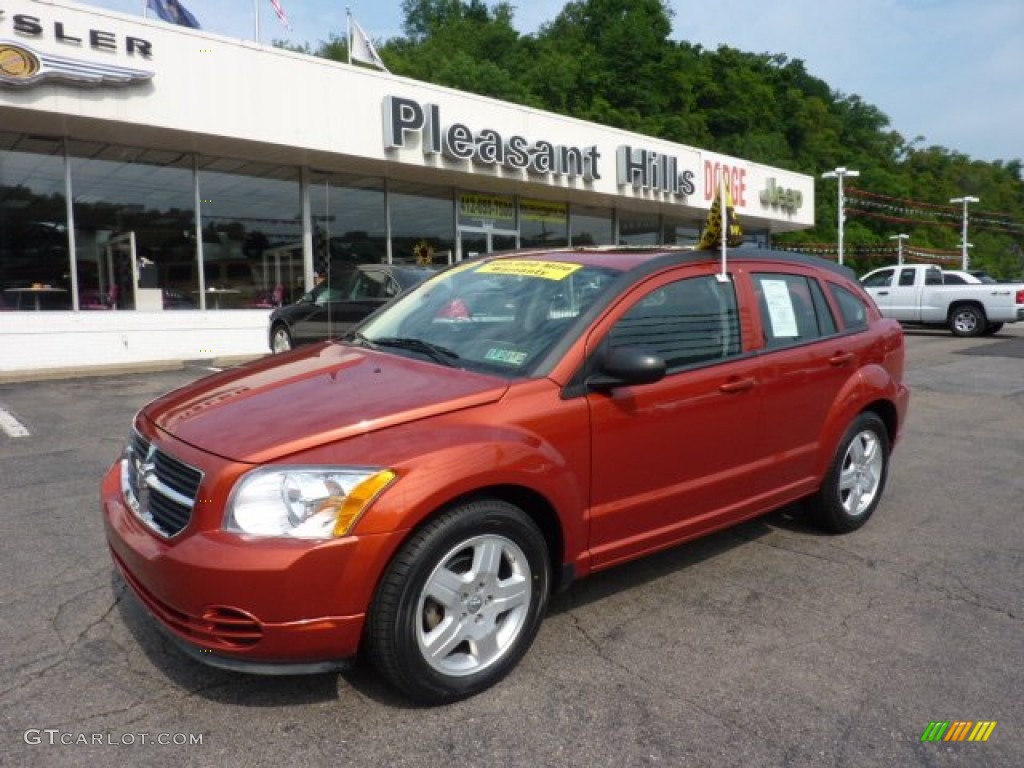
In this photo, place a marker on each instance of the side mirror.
(625, 367)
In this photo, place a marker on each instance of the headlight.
(304, 502)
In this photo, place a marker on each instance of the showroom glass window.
(679, 232)
(543, 224)
(350, 227)
(250, 213)
(591, 226)
(33, 224)
(639, 228)
(422, 223)
(125, 195)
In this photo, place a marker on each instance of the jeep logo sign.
(789, 200)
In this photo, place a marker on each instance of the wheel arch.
(961, 303)
(533, 503)
(886, 411)
(872, 389)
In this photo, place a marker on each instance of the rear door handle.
(841, 358)
(735, 386)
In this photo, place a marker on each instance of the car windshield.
(493, 316)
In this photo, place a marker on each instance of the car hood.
(288, 403)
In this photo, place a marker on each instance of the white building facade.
(162, 188)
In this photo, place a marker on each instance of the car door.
(314, 321)
(879, 286)
(904, 298)
(803, 366)
(674, 458)
(367, 289)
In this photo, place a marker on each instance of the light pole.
(899, 245)
(840, 173)
(966, 201)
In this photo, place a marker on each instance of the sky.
(948, 71)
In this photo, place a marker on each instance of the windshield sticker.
(780, 308)
(548, 270)
(507, 356)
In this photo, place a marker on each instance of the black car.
(340, 302)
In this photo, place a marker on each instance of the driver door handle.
(735, 386)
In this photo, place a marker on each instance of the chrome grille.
(160, 489)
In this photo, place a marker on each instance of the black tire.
(992, 329)
(280, 339)
(856, 477)
(967, 320)
(473, 582)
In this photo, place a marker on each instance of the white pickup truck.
(915, 294)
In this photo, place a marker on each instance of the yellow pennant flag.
(712, 237)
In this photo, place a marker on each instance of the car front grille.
(160, 489)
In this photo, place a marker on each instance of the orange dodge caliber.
(418, 488)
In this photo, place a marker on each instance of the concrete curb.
(93, 371)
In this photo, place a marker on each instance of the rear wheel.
(461, 602)
(967, 320)
(280, 339)
(856, 477)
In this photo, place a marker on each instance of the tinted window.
(949, 279)
(686, 322)
(826, 322)
(853, 310)
(906, 277)
(879, 279)
(789, 313)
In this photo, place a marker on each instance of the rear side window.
(686, 323)
(907, 277)
(853, 310)
(793, 309)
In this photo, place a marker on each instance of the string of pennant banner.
(904, 211)
(830, 250)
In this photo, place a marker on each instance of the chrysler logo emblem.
(21, 66)
(17, 62)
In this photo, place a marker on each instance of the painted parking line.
(10, 425)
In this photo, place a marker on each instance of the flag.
(361, 48)
(712, 237)
(280, 13)
(174, 12)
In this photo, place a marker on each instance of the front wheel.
(461, 602)
(856, 477)
(280, 339)
(967, 320)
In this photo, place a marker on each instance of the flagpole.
(256, 13)
(348, 32)
(725, 225)
(145, 9)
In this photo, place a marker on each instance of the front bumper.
(245, 603)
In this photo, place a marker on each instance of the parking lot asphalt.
(766, 645)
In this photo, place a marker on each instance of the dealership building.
(163, 188)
